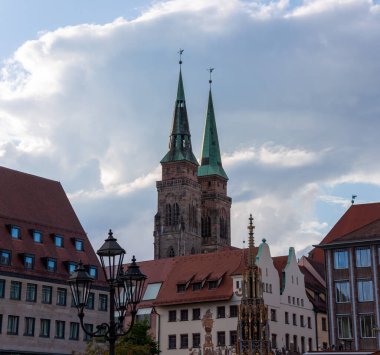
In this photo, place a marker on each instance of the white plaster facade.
(292, 300)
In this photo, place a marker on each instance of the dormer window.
(181, 288)
(71, 267)
(37, 236)
(58, 241)
(5, 257)
(212, 284)
(78, 244)
(28, 261)
(14, 232)
(197, 286)
(51, 264)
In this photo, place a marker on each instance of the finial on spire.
(251, 241)
(210, 70)
(180, 56)
(250, 227)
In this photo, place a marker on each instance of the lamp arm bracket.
(98, 333)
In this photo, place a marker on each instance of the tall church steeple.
(211, 162)
(177, 222)
(180, 138)
(216, 205)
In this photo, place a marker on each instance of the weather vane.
(210, 70)
(353, 199)
(180, 55)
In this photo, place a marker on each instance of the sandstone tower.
(193, 209)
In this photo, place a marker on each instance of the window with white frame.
(365, 290)
(344, 327)
(367, 326)
(340, 259)
(363, 257)
(342, 291)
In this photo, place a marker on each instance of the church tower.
(216, 205)
(177, 222)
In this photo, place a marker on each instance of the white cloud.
(295, 93)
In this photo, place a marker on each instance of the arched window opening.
(175, 214)
(168, 215)
(171, 252)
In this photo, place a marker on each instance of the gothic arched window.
(168, 215)
(223, 230)
(171, 252)
(175, 214)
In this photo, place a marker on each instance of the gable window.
(221, 312)
(5, 257)
(294, 319)
(58, 241)
(363, 257)
(344, 327)
(340, 259)
(342, 291)
(15, 232)
(302, 323)
(196, 313)
(79, 244)
(197, 286)
(31, 292)
(286, 318)
(365, 290)
(29, 261)
(37, 236)
(367, 326)
(309, 322)
(15, 291)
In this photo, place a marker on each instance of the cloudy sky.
(87, 93)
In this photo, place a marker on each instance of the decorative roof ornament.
(251, 241)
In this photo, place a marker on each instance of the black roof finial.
(180, 56)
(210, 70)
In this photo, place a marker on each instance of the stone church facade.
(193, 209)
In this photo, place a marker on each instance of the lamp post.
(125, 290)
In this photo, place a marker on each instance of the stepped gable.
(187, 270)
(356, 217)
(34, 203)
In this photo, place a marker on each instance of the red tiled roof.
(357, 216)
(34, 203)
(279, 263)
(172, 271)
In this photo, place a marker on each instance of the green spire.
(180, 138)
(211, 162)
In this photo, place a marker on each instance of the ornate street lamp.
(125, 289)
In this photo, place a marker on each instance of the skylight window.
(151, 291)
(5, 257)
(29, 262)
(71, 267)
(93, 271)
(51, 264)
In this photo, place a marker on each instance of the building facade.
(193, 209)
(41, 241)
(192, 301)
(351, 253)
